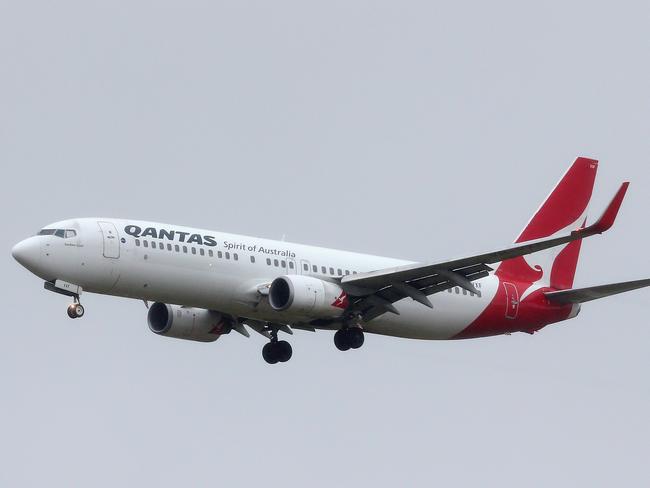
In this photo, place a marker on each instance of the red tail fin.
(564, 210)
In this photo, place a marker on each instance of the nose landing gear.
(76, 309)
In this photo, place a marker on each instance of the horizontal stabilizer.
(594, 293)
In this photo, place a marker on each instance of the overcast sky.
(419, 130)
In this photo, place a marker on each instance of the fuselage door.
(291, 266)
(111, 240)
(512, 301)
(305, 267)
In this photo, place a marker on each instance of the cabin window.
(305, 267)
(347, 271)
(185, 249)
(332, 271)
(169, 247)
(210, 253)
(202, 251)
(219, 254)
(235, 257)
(137, 243)
(291, 266)
(276, 263)
(252, 259)
(177, 248)
(340, 272)
(268, 261)
(457, 290)
(227, 255)
(283, 263)
(464, 291)
(145, 243)
(323, 269)
(314, 268)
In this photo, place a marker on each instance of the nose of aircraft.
(27, 253)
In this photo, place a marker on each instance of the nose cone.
(28, 253)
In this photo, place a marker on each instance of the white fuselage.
(224, 272)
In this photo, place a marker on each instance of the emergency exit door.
(111, 240)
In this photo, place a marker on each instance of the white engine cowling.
(307, 296)
(193, 324)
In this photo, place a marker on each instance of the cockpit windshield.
(64, 233)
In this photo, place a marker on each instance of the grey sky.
(417, 130)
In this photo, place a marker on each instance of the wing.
(373, 294)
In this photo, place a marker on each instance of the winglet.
(606, 221)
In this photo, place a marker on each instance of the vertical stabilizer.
(564, 210)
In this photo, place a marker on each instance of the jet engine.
(193, 324)
(307, 296)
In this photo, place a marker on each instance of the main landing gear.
(76, 309)
(348, 338)
(276, 351)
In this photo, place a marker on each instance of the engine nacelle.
(193, 324)
(307, 296)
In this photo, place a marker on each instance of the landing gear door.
(111, 240)
(512, 301)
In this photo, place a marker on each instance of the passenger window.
(457, 290)
(354, 272)
(291, 265)
(137, 243)
(283, 263)
(193, 250)
(340, 272)
(347, 272)
(235, 257)
(464, 291)
(177, 248)
(145, 243)
(202, 251)
(219, 254)
(169, 247)
(227, 255)
(252, 259)
(276, 263)
(332, 271)
(210, 253)
(305, 267)
(268, 261)
(323, 269)
(185, 249)
(314, 268)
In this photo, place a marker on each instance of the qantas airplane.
(204, 284)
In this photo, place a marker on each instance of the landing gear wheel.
(75, 310)
(284, 351)
(268, 353)
(355, 337)
(341, 340)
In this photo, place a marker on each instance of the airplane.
(205, 284)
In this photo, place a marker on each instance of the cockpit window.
(65, 233)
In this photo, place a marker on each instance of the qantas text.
(172, 235)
